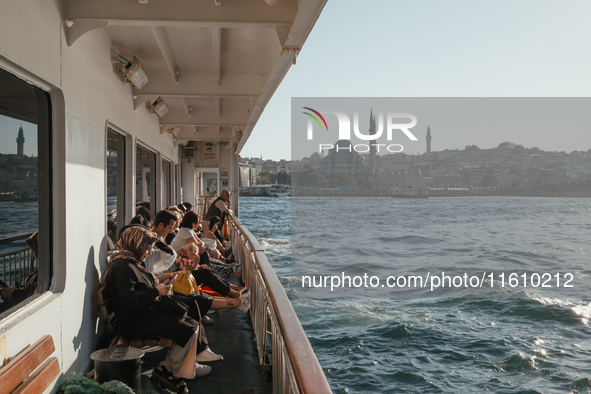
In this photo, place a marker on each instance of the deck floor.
(239, 373)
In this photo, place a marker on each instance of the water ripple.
(500, 340)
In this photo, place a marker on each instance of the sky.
(428, 48)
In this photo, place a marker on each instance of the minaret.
(20, 142)
(428, 139)
(372, 149)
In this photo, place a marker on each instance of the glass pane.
(115, 185)
(21, 273)
(144, 185)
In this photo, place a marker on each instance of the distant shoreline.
(430, 196)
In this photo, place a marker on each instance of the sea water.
(17, 219)
(520, 339)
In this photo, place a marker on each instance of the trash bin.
(119, 363)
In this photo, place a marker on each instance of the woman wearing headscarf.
(134, 293)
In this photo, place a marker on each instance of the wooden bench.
(30, 371)
(120, 340)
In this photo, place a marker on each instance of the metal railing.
(280, 339)
(17, 264)
(202, 204)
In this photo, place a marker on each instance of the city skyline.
(550, 124)
(433, 151)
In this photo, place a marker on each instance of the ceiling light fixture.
(176, 130)
(133, 72)
(159, 107)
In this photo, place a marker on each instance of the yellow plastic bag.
(185, 284)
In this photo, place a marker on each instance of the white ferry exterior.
(216, 64)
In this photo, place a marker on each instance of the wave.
(510, 340)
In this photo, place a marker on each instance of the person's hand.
(203, 267)
(164, 290)
(178, 255)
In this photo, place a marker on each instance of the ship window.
(25, 193)
(145, 186)
(115, 185)
(166, 183)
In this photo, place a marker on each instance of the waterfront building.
(248, 175)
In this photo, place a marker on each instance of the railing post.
(295, 367)
(17, 269)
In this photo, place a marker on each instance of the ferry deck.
(133, 101)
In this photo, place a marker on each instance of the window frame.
(50, 118)
(122, 167)
(167, 190)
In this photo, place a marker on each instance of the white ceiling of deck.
(216, 66)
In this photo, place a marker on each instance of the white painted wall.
(33, 46)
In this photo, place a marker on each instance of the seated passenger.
(189, 258)
(214, 224)
(144, 212)
(111, 232)
(162, 259)
(224, 270)
(231, 297)
(175, 228)
(137, 220)
(186, 234)
(173, 209)
(163, 256)
(135, 294)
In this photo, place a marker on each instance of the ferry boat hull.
(279, 194)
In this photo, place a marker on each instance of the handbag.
(173, 307)
(185, 284)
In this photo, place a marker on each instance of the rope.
(81, 384)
